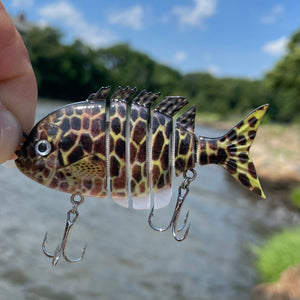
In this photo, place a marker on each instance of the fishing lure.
(122, 149)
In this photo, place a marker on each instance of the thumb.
(10, 134)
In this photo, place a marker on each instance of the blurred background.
(227, 57)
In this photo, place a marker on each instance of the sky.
(227, 38)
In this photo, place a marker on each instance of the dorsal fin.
(146, 98)
(100, 94)
(123, 94)
(187, 120)
(171, 105)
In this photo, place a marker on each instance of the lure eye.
(42, 148)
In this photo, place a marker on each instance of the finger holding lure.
(120, 148)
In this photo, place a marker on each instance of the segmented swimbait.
(122, 149)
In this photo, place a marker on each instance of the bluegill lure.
(124, 149)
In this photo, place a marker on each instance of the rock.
(286, 288)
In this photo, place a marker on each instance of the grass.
(295, 197)
(280, 251)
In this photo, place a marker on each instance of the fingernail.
(10, 134)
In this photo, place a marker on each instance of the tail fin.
(231, 151)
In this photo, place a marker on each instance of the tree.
(64, 71)
(75, 70)
(130, 67)
(282, 84)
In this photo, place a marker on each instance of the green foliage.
(76, 70)
(295, 197)
(224, 95)
(280, 251)
(64, 71)
(282, 84)
(128, 66)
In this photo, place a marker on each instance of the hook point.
(60, 249)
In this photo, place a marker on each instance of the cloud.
(60, 10)
(277, 47)
(180, 57)
(195, 15)
(73, 19)
(213, 69)
(131, 18)
(273, 15)
(22, 3)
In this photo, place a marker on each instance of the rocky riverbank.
(286, 288)
(276, 153)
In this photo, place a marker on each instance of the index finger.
(18, 88)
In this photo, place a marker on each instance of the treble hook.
(60, 250)
(174, 220)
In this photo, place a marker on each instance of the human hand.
(18, 88)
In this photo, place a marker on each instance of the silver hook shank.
(60, 250)
(180, 200)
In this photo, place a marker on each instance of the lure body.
(122, 149)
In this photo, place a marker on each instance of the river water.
(125, 259)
